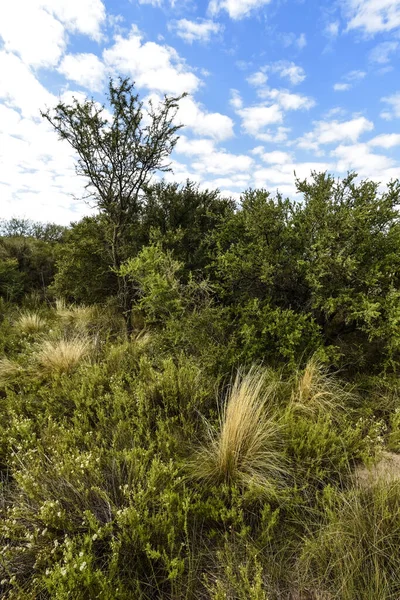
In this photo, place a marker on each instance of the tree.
(321, 274)
(119, 149)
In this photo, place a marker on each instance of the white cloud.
(255, 119)
(158, 68)
(274, 136)
(394, 106)
(37, 176)
(282, 176)
(237, 9)
(85, 69)
(352, 77)
(358, 157)
(236, 99)
(329, 132)
(20, 89)
(214, 125)
(385, 140)
(355, 75)
(196, 147)
(372, 16)
(332, 29)
(381, 53)
(222, 163)
(191, 31)
(291, 39)
(152, 2)
(288, 70)
(341, 87)
(287, 100)
(37, 30)
(212, 161)
(276, 157)
(79, 16)
(257, 79)
(29, 30)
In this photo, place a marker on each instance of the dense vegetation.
(201, 400)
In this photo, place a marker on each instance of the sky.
(276, 89)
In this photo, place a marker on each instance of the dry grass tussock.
(317, 391)
(63, 355)
(246, 447)
(30, 322)
(8, 369)
(80, 317)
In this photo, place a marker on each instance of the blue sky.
(276, 87)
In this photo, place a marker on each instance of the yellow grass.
(30, 322)
(80, 317)
(63, 355)
(8, 369)
(246, 446)
(317, 391)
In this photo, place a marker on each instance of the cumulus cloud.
(257, 79)
(222, 163)
(372, 16)
(287, 100)
(37, 30)
(288, 70)
(276, 157)
(214, 125)
(85, 69)
(20, 89)
(385, 140)
(330, 132)
(38, 177)
(282, 176)
(194, 147)
(153, 66)
(358, 157)
(236, 9)
(393, 110)
(255, 119)
(191, 31)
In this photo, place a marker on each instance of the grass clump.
(246, 446)
(30, 322)
(355, 552)
(318, 392)
(8, 369)
(61, 356)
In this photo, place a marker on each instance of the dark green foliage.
(328, 264)
(27, 265)
(83, 263)
(183, 218)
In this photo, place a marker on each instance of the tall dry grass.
(8, 369)
(30, 322)
(61, 356)
(316, 391)
(246, 447)
(74, 316)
